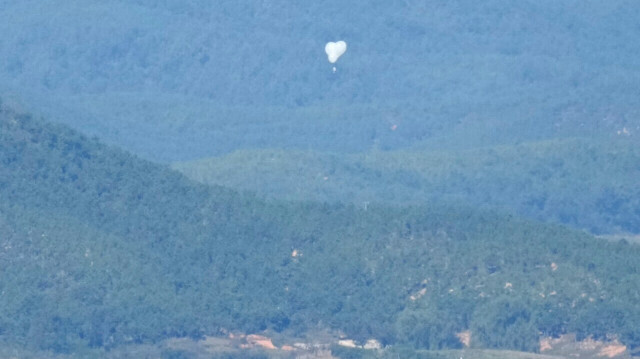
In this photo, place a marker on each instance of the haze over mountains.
(587, 184)
(180, 80)
(448, 177)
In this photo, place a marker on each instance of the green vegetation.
(101, 249)
(398, 198)
(585, 184)
(176, 80)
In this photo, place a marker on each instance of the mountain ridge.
(159, 80)
(131, 252)
(578, 182)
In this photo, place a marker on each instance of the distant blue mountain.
(583, 184)
(178, 80)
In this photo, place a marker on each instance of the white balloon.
(334, 50)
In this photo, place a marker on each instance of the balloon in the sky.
(334, 50)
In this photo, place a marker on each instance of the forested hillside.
(100, 249)
(587, 184)
(179, 80)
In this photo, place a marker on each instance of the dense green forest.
(100, 249)
(178, 80)
(190, 168)
(584, 183)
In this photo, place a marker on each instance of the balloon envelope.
(334, 50)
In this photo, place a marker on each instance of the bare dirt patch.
(568, 346)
